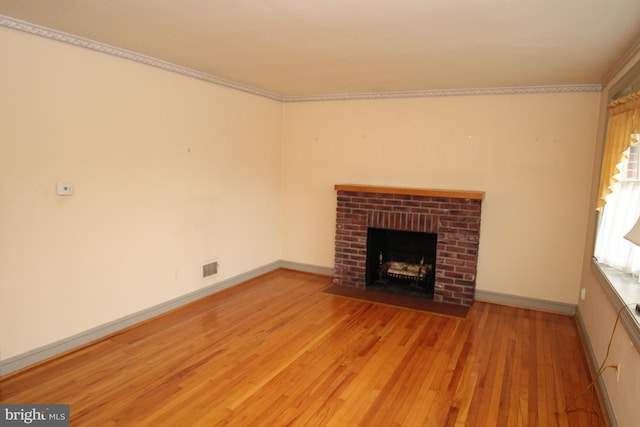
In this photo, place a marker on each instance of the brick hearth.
(453, 215)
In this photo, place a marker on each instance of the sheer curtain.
(618, 216)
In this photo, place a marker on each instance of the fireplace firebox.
(401, 261)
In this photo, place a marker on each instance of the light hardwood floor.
(278, 351)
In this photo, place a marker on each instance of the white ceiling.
(295, 48)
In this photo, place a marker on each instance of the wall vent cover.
(210, 269)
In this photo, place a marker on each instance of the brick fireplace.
(454, 216)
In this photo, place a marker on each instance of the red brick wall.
(455, 220)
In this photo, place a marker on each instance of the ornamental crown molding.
(38, 30)
(452, 92)
(16, 24)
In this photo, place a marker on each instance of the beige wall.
(531, 154)
(169, 172)
(598, 314)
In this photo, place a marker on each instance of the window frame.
(621, 288)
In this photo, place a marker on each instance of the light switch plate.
(64, 189)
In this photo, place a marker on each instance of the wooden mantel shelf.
(454, 194)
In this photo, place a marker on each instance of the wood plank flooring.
(278, 351)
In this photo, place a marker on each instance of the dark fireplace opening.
(402, 262)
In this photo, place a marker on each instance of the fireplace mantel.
(425, 192)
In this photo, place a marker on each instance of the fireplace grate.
(416, 275)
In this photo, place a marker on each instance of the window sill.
(622, 290)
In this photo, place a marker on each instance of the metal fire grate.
(416, 275)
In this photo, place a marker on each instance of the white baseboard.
(45, 352)
(487, 296)
(307, 268)
(526, 302)
(56, 348)
(593, 365)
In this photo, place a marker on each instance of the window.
(629, 171)
(617, 259)
(619, 186)
(620, 213)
